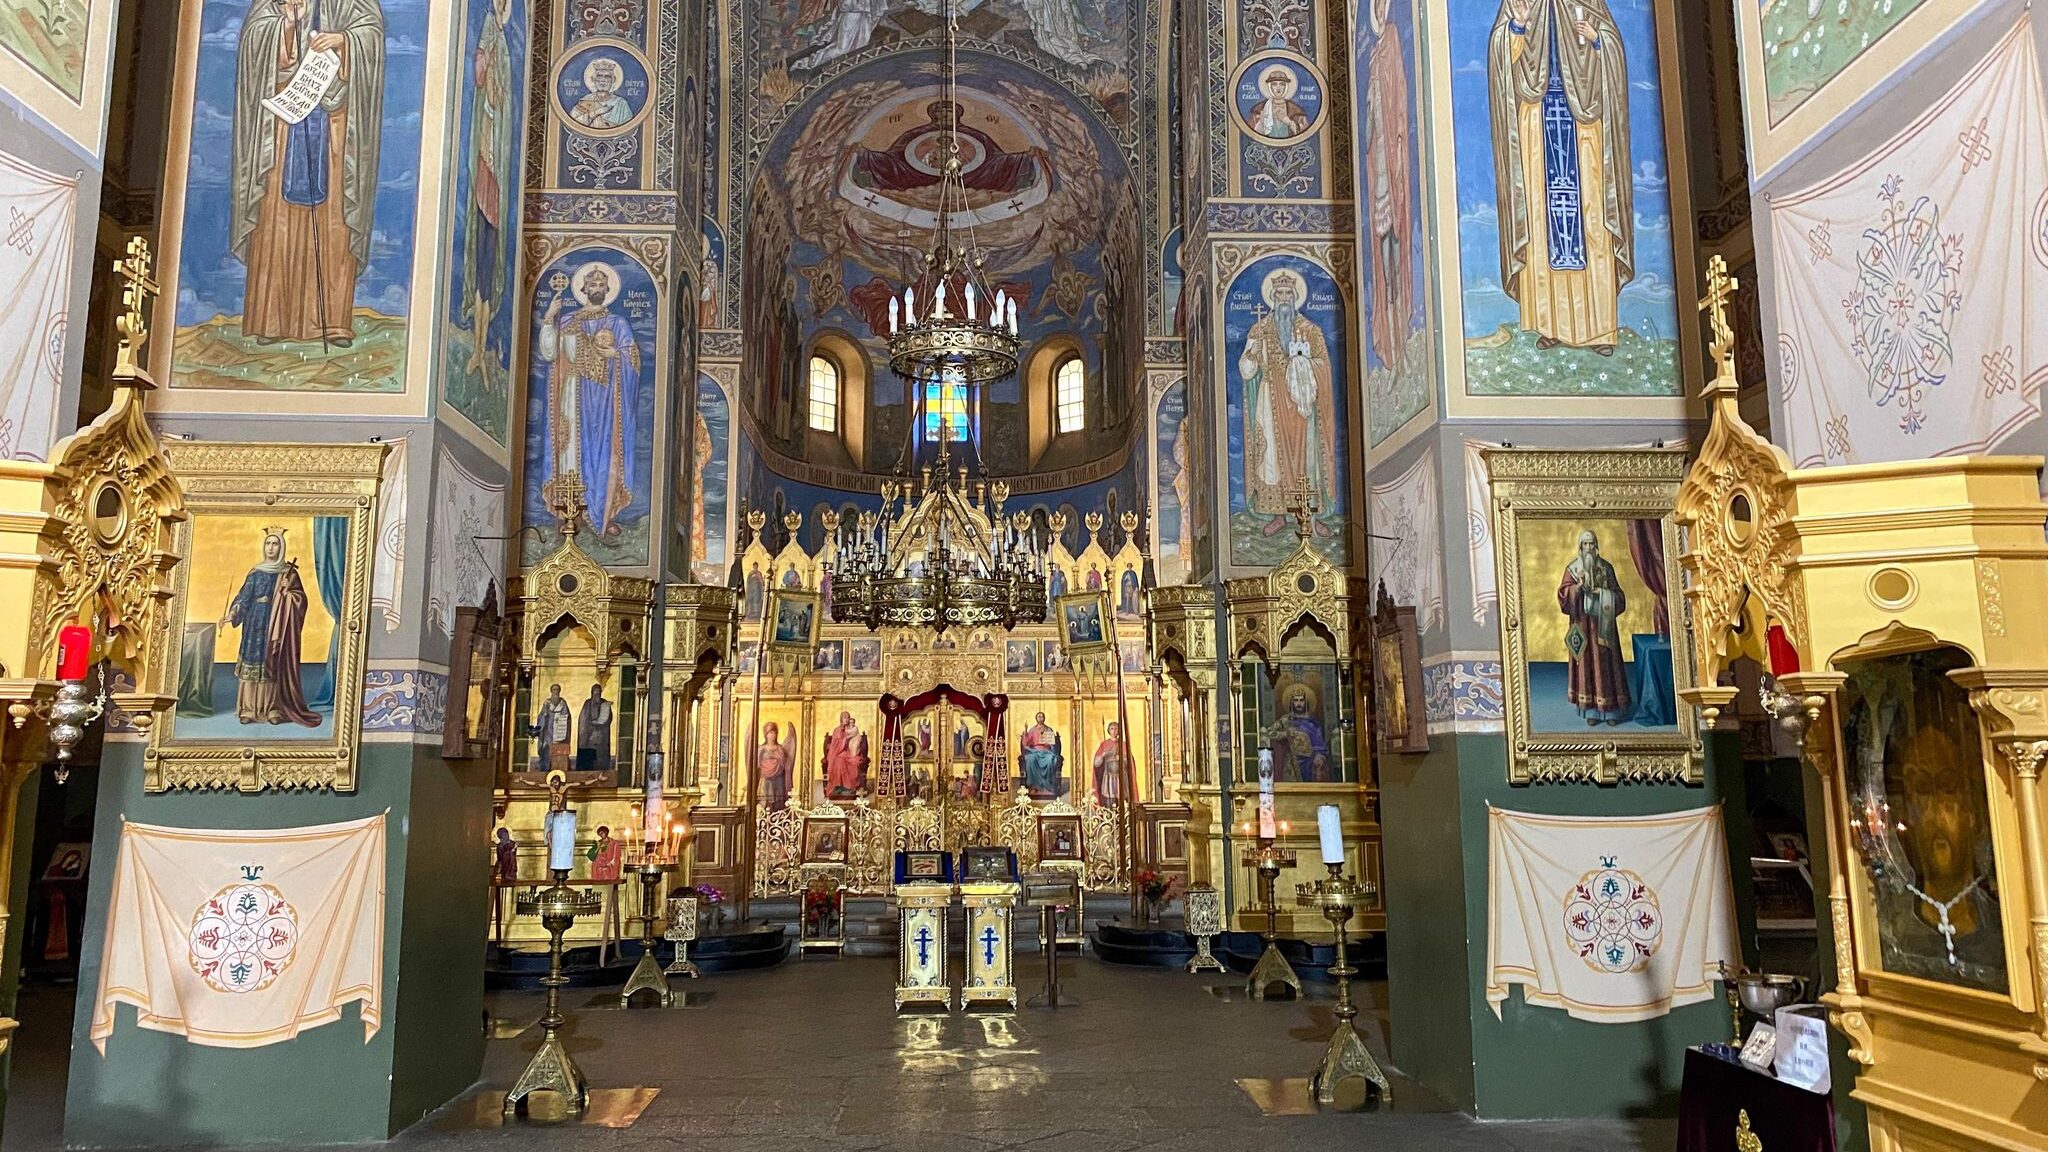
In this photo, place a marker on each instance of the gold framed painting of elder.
(1594, 648)
(269, 607)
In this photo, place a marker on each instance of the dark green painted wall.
(1431, 1036)
(438, 1018)
(1532, 1063)
(327, 1085)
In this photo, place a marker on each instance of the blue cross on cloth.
(988, 945)
(924, 946)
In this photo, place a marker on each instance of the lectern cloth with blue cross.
(988, 893)
(924, 891)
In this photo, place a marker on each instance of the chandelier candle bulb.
(561, 841)
(74, 651)
(1331, 826)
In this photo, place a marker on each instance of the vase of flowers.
(821, 912)
(710, 908)
(1157, 888)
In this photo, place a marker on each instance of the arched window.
(1068, 394)
(945, 408)
(824, 394)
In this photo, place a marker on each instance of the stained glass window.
(945, 408)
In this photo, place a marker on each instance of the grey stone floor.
(809, 1056)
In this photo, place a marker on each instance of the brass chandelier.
(938, 554)
(948, 328)
(941, 552)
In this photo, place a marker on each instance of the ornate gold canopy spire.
(137, 287)
(1721, 287)
(564, 496)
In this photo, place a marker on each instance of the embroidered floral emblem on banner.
(244, 938)
(1612, 919)
(1904, 306)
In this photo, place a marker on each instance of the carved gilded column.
(2013, 709)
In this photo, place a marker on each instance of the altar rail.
(876, 834)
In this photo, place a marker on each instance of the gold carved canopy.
(569, 587)
(1734, 508)
(1304, 590)
(100, 551)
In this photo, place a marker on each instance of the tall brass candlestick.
(648, 975)
(1346, 1057)
(552, 1069)
(1269, 859)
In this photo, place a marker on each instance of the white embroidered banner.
(1407, 540)
(387, 568)
(1912, 289)
(238, 939)
(37, 211)
(1479, 529)
(463, 559)
(1612, 919)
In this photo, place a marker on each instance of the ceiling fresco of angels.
(1086, 42)
(863, 173)
(847, 215)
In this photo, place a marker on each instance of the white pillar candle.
(561, 841)
(656, 817)
(1266, 825)
(1331, 826)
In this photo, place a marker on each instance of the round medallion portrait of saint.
(602, 88)
(1279, 98)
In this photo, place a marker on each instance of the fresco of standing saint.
(1389, 225)
(304, 190)
(593, 363)
(1291, 429)
(491, 180)
(1557, 73)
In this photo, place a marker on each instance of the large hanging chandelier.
(941, 552)
(947, 326)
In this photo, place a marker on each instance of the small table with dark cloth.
(1716, 1090)
(1650, 682)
